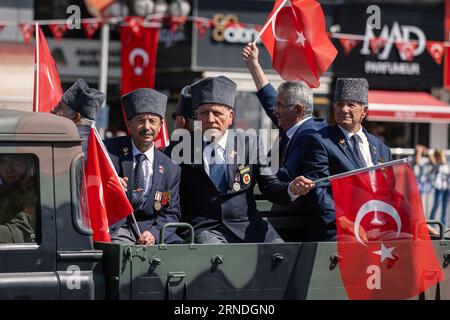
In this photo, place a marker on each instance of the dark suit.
(290, 164)
(206, 208)
(166, 178)
(328, 153)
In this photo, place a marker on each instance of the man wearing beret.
(217, 191)
(152, 179)
(80, 103)
(339, 148)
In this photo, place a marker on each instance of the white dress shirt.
(364, 146)
(147, 166)
(290, 132)
(219, 152)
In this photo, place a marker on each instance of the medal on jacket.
(165, 198)
(157, 205)
(246, 178)
(244, 169)
(236, 184)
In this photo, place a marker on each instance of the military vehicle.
(59, 260)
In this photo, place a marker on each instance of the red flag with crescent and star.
(384, 247)
(295, 36)
(47, 85)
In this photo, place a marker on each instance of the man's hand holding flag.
(295, 36)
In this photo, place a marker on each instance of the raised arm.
(250, 55)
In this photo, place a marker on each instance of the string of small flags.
(90, 26)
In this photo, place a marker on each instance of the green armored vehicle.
(47, 251)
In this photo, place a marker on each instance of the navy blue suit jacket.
(290, 166)
(329, 153)
(206, 208)
(166, 178)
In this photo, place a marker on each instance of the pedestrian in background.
(441, 183)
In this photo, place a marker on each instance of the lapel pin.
(161, 169)
(125, 151)
(342, 142)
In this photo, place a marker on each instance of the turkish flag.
(58, 30)
(348, 44)
(376, 44)
(406, 50)
(107, 200)
(202, 26)
(297, 41)
(436, 51)
(47, 85)
(139, 47)
(90, 28)
(27, 30)
(383, 242)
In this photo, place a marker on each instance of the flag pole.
(350, 173)
(100, 141)
(270, 21)
(36, 84)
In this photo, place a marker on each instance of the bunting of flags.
(90, 26)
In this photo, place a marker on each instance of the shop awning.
(405, 106)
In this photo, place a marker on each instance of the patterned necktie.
(356, 139)
(217, 170)
(138, 182)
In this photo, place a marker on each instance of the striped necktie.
(138, 182)
(356, 139)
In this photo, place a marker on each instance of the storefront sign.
(394, 56)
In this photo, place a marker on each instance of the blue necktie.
(355, 139)
(217, 171)
(138, 182)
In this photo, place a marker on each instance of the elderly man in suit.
(290, 109)
(80, 103)
(338, 148)
(217, 191)
(151, 177)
